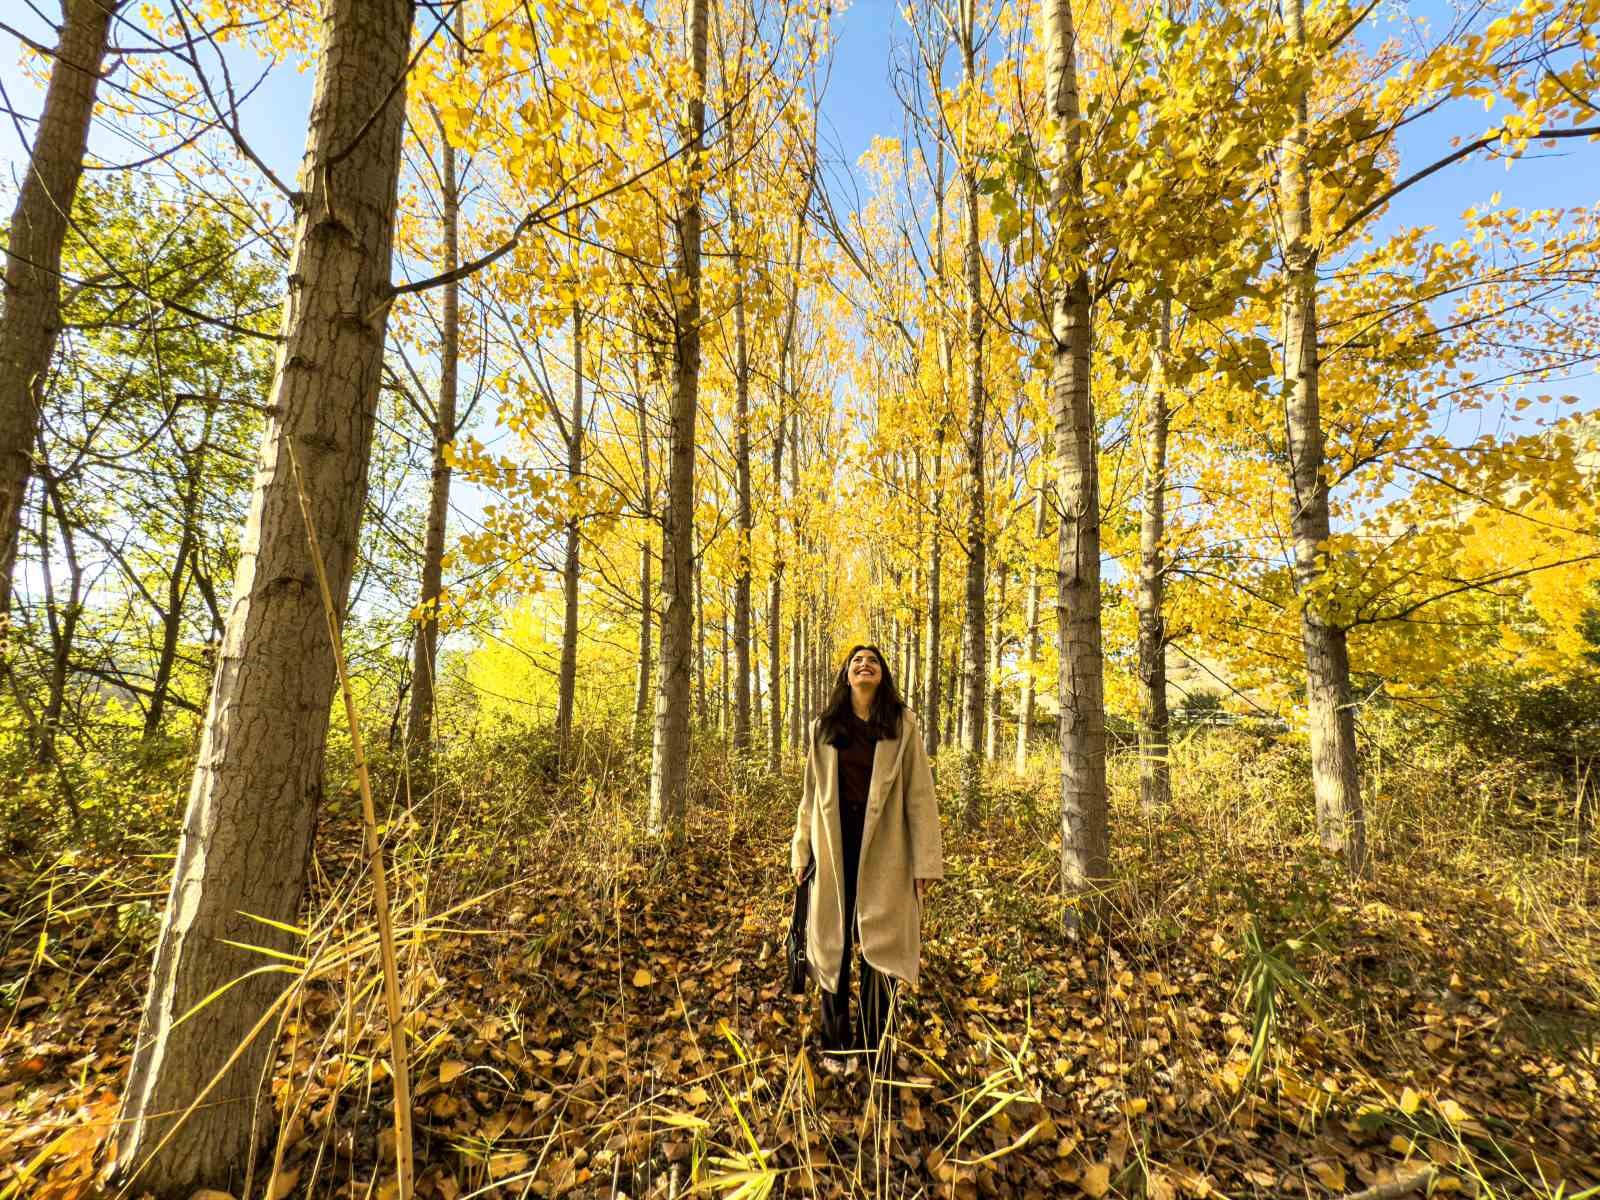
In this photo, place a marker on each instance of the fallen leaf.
(1330, 1175)
(642, 978)
(450, 1070)
(507, 1162)
(1096, 1180)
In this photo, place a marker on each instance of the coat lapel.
(885, 768)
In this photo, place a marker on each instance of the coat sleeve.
(800, 846)
(922, 810)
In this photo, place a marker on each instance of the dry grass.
(587, 1018)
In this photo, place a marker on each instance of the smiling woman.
(868, 821)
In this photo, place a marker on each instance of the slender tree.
(1155, 783)
(242, 860)
(1081, 691)
(1031, 656)
(425, 643)
(567, 682)
(669, 764)
(974, 679)
(31, 318)
(1340, 821)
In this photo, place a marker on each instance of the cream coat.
(900, 842)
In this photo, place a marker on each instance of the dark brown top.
(855, 765)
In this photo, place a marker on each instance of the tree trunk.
(931, 680)
(1341, 824)
(669, 764)
(775, 626)
(31, 318)
(745, 521)
(700, 637)
(1155, 782)
(955, 712)
(425, 643)
(641, 695)
(62, 620)
(724, 637)
(1025, 702)
(991, 732)
(1085, 837)
(172, 618)
(974, 638)
(258, 781)
(567, 686)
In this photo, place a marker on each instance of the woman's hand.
(922, 888)
(799, 875)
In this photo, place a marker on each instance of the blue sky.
(860, 103)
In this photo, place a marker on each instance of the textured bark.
(797, 705)
(1155, 781)
(1031, 658)
(567, 682)
(745, 518)
(1081, 688)
(934, 722)
(1330, 717)
(253, 803)
(775, 615)
(641, 695)
(724, 639)
(974, 678)
(796, 702)
(991, 708)
(669, 762)
(953, 710)
(700, 637)
(425, 643)
(31, 319)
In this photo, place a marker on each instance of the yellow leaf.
(697, 1096)
(507, 1162)
(1452, 1112)
(643, 978)
(450, 1070)
(1409, 1100)
(1097, 1180)
(1330, 1174)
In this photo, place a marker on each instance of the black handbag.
(794, 945)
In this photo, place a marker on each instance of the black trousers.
(876, 1001)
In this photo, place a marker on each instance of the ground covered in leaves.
(589, 1020)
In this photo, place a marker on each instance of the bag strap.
(801, 893)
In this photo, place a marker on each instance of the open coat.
(900, 843)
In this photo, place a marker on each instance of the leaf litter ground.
(604, 1023)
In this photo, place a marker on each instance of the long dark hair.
(887, 706)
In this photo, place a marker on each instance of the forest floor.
(590, 1021)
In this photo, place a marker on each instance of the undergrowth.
(589, 1018)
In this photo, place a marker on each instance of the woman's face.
(864, 670)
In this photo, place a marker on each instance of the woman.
(869, 822)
